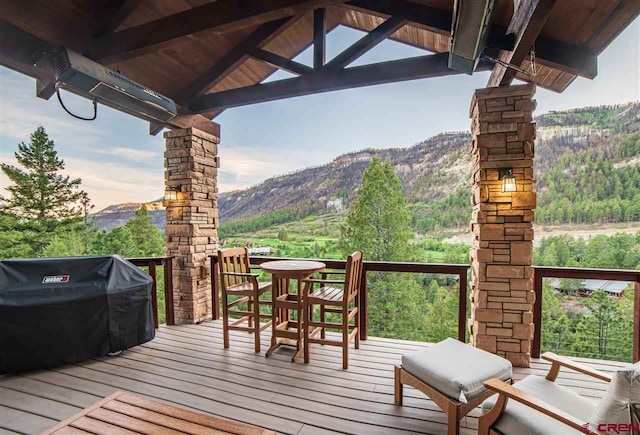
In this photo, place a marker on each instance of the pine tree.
(378, 225)
(39, 190)
(42, 200)
(146, 236)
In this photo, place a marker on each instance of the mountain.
(116, 215)
(587, 167)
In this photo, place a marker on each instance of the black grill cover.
(55, 311)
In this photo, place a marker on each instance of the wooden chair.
(237, 280)
(343, 301)
(552, 408)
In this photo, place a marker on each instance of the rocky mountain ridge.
(430, 171)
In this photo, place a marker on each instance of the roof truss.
(328, 79)
(526, 25)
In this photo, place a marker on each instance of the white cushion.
(456, 369)
(621, 402)
(519, 419)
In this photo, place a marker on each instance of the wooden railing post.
(462, 305)
(537, 314)
(154, 291)
(363, 305)
(215, 283)
(636, 321)
(168, 291)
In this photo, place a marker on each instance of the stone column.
(192, 219)
(501, 256)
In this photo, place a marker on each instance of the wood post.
(636, 322)
(168, 291)
(537, 315)
(502, 222)
(462, 306)
(191, 168)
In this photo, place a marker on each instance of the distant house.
(267, 250)
(612, 288)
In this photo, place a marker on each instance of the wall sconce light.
(508, 180)
(171, 192)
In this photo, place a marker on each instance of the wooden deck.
(186, 365)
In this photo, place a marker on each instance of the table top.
(292, 267)
(123, 412)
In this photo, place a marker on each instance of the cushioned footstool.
(452, 374)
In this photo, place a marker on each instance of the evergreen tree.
(147, 237)
(599, 334)
(39, 190)
(42, 200)
(378, 225)
(117, 241)
(442, 316)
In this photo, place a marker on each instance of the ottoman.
(452, 374)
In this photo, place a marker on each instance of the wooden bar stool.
(335, 300)
(237, 280)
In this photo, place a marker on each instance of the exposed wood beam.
(526, 24)
(45, 88)
(319, 38)
(434, 65)
(571, 58)
(20, 51)
(367, 42)
(220, 17)
(107, 18)
(258, 39)
(282, 62)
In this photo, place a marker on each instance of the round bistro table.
(291, 332)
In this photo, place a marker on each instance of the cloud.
(109, 183)
(128, 153)
(243, 166)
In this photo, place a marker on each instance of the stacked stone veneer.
(502, 276)
(192, 220)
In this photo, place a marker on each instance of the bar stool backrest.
(234, 260)
(353, 275)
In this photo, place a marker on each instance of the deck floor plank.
(17, 421)
(186, 365)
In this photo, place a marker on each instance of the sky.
(118, 161)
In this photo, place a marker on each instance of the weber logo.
(55, 279)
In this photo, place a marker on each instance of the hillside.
(587, 167)
(117, 215)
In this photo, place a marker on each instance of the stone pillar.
(501, 256)
(192, 218)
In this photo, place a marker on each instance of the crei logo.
(613, 428)
(55, 279)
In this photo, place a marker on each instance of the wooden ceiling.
(189, 48)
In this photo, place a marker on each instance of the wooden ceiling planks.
(408, 34)
(148, 11)
(620, 18)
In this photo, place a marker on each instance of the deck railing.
(167, 263)
(460, 270)
(541, 272)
